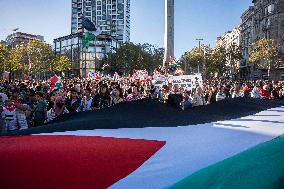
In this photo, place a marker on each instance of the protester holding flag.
(55, 83)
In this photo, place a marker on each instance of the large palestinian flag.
(234, 144)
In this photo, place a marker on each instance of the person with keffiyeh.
(57, 110)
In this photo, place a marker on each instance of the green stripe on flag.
(261, 167)
(88, 38)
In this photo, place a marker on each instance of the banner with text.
(187, 82)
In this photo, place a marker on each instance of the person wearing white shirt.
(86, 102)
(220, 95)
(198, 99)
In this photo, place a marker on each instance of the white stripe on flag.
(191, 148)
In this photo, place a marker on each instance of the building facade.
(112, 17)
(263, 20)
(84, 60)
(269, 20)
(246, 40)
(17, 38)
(229, 38)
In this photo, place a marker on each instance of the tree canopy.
(132, 56)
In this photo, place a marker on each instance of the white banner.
(187, 82)
(159, 81)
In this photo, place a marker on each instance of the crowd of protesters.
(26, 104)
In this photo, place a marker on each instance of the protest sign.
(187, 82)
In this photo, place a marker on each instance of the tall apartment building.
(112, 17)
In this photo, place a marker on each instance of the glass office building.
(112, 17)
(84, 60)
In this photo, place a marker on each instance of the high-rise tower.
(169, 32)
(110, 16)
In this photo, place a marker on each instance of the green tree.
(265, 53)
(131, 56)
(196, 59)
(234, 55)
(40, 56)
(16, 58)
(4, 52)
(61, 63)
(218, 59)
(153, 56)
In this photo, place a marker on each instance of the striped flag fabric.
(55, 83)
(166, 148)
(88, 38)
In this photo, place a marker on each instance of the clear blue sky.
(193, 19)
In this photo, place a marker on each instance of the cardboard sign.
(187, 82)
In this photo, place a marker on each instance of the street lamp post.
(199, 46)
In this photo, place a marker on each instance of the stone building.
(263, 20)
(246, 39)
(229, 39)
(269, 20)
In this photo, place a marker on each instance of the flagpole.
(85, 59)
(85, 62)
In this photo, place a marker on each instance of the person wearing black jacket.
(73, 104)
(102, 99)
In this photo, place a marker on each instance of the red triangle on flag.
(70, 161)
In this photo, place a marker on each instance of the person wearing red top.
(265, 92)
